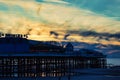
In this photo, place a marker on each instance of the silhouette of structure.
(13, 43)
(43, 59)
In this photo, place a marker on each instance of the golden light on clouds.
(38, 19)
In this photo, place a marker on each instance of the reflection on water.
(113, 61)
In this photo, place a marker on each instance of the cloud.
(73, 18)
(109, 8)
(56, 1)
(100, 36)
(63, 16)
(38, 19)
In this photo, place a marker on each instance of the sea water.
(113, 61)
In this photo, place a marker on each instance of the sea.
(113, 61)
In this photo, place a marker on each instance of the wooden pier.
(43, 66)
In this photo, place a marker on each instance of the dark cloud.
(100, 36)
(66, 36)
(28, 32)
(54, 33)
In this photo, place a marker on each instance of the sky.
(91, 21)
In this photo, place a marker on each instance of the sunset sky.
(92, 21)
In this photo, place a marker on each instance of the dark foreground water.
(82, 77)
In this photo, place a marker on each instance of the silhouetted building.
(13, 43)
(41, 60)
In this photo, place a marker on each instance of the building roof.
(69, 45)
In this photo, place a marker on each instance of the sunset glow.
(38, 18)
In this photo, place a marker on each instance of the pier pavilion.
(45, 59)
